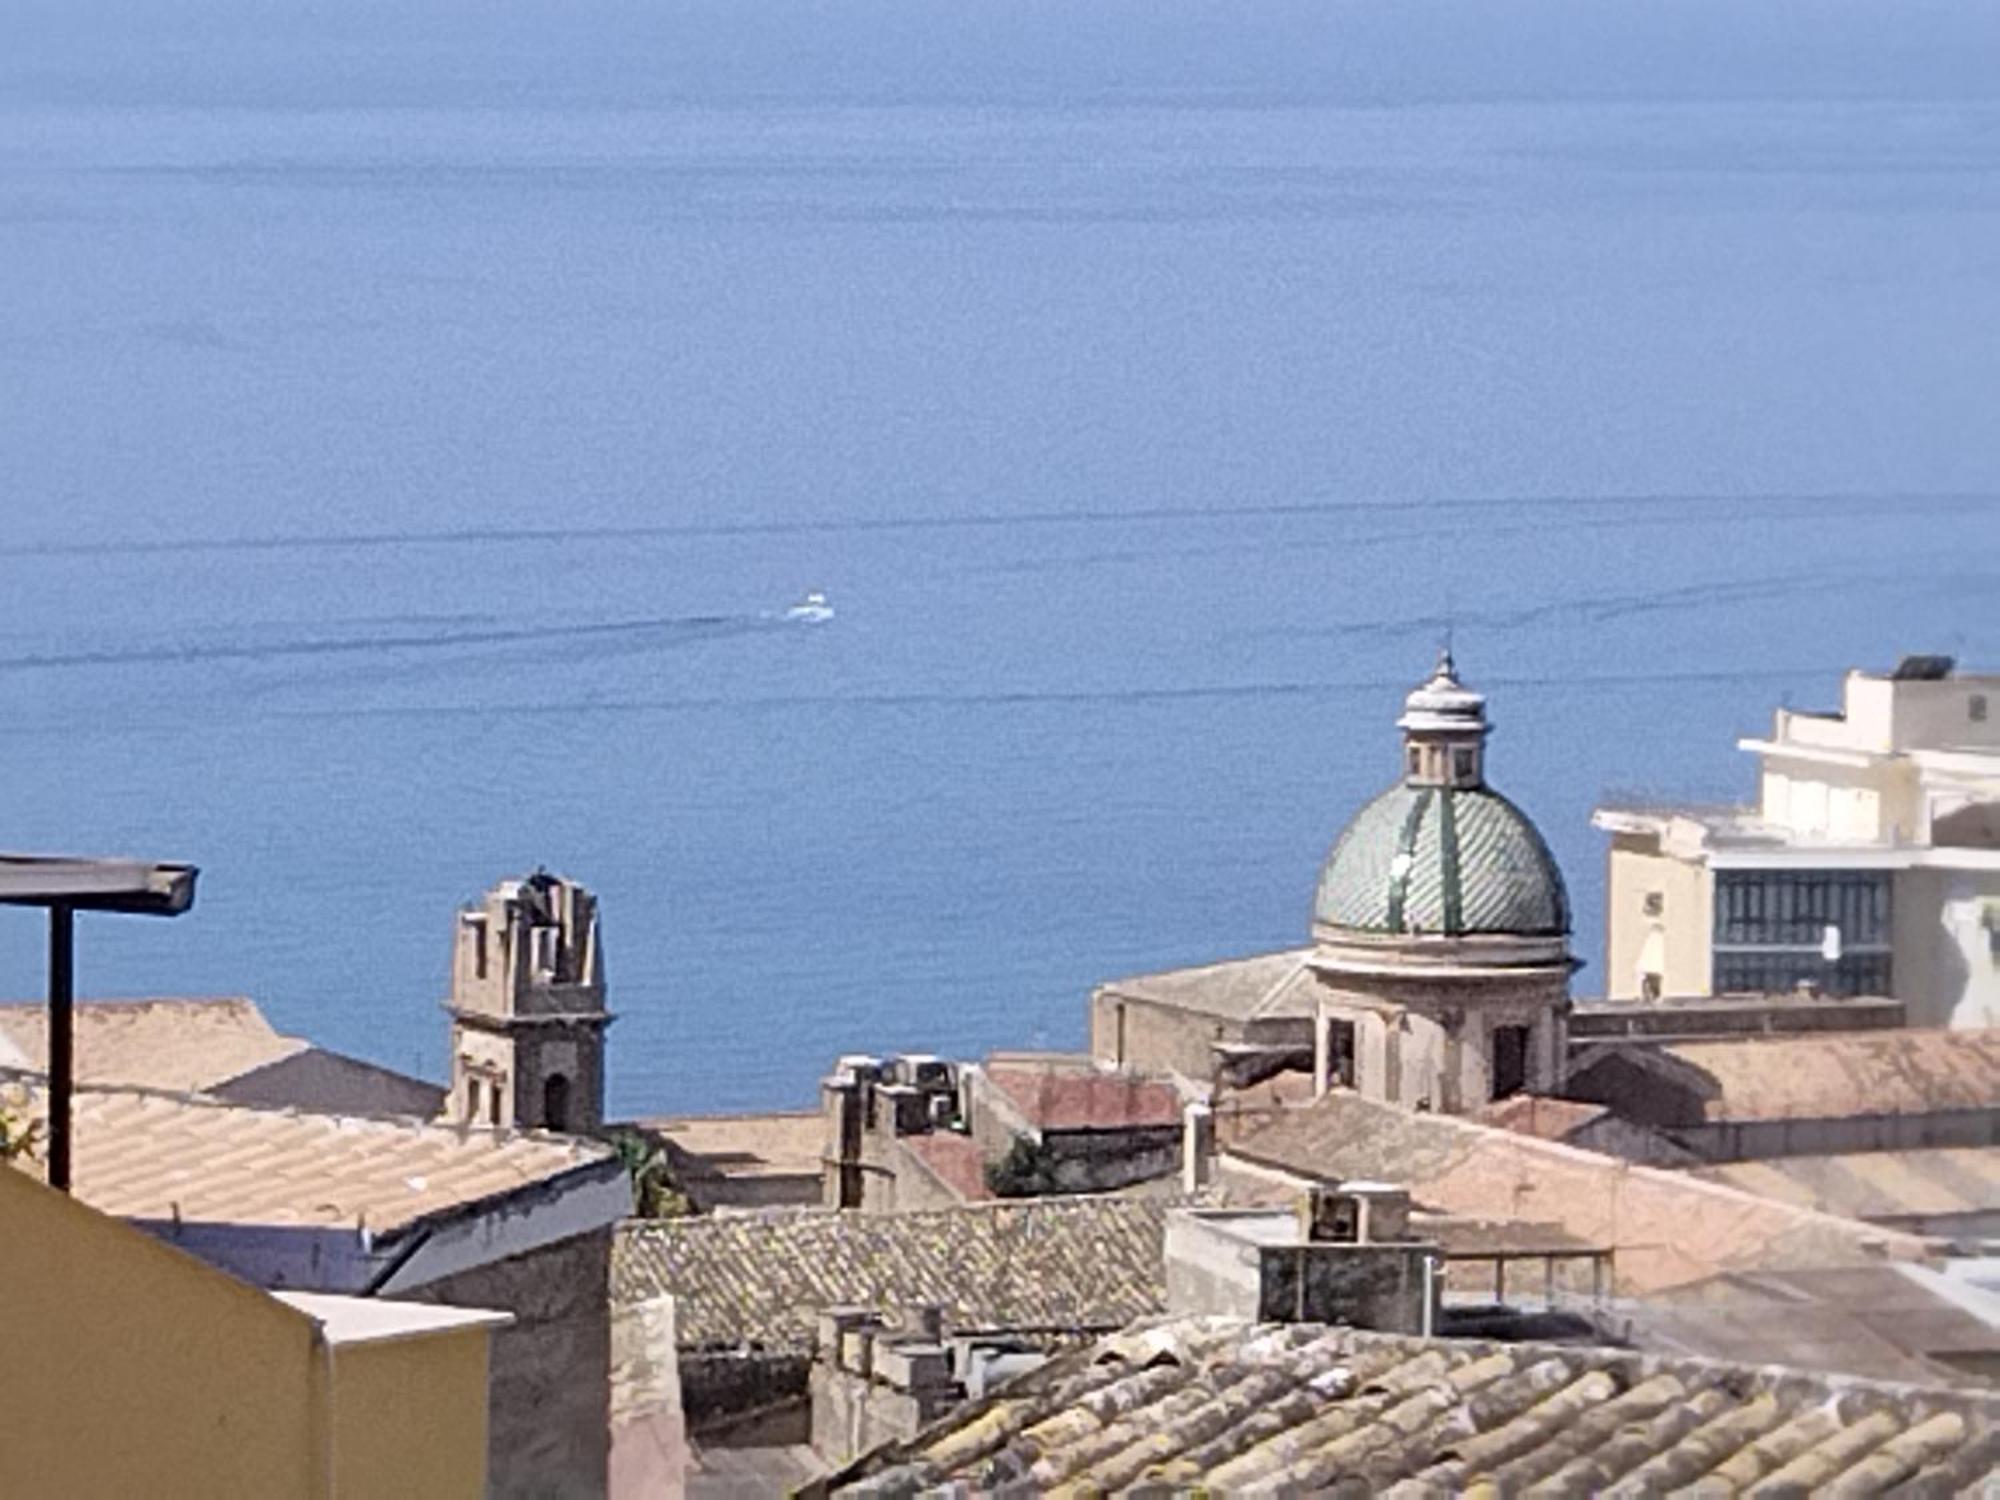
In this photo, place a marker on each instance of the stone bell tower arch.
(527, 1009)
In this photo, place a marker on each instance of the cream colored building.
(138, 1370)
(1870, 863)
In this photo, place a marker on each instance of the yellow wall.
(137, 1370)
(1635, 869)
(409, 1416)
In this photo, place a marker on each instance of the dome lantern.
(1444, 730)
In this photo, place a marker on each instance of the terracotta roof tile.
(1934, 1183)
(1070, 1098)
(1667, 1228)
(146, 1155)
(1834, 1076)
(1224, 1406)
(1531, 1114)
(1071, 1263)
(178, 1044)
(954, 1159)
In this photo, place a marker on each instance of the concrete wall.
(1946, 972)
(409, 1416)
(1210, 1271)
(139, 1370)
(1678, 940)
(1217, 1267)
(649, 1450)
(1156, 1038)
(852, 1413)
(550, 1411)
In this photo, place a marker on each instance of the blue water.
(415, 418)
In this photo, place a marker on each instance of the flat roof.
(370, 1320)
(128, 885)
(785, 1143)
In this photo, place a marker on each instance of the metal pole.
(62, 1039)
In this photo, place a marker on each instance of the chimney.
(1197, 1146)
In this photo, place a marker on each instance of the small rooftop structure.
(743, 1161)
(1230, 1406)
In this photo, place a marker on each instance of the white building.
(1870, 864)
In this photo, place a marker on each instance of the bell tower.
(527, 1009)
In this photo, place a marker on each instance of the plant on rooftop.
(1028, 1170)
(18, 1135)
(654, 1193)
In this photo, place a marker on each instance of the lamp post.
(64, 886)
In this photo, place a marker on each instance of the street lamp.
(66, 886)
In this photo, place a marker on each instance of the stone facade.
(550, 1374)
(527, 1009)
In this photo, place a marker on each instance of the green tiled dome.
(1445, 861)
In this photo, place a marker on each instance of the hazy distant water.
(413, 423)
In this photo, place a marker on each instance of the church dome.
(1441, 854)
(1442, 861)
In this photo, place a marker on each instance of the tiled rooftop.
(1267, 984)
(1667, 1228)
(761, 1279)
(1890, 1322)
(954, 1159)
(1935, 1183)
(1229, 1407)
(1836, 1076)
(1531, 1114)
(146, 1155)
(1053, 1096)
(176, 1044)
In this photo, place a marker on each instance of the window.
(472, 1100)
(1975, 708)
(1650, 987)
(1656, 903)
(493, 1103)
(1461, 764)
(1416, 759)
(555, 1102)
(1510, 1060)
(1771, 931)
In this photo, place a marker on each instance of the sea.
(417, 418)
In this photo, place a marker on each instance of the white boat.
(812, 610)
